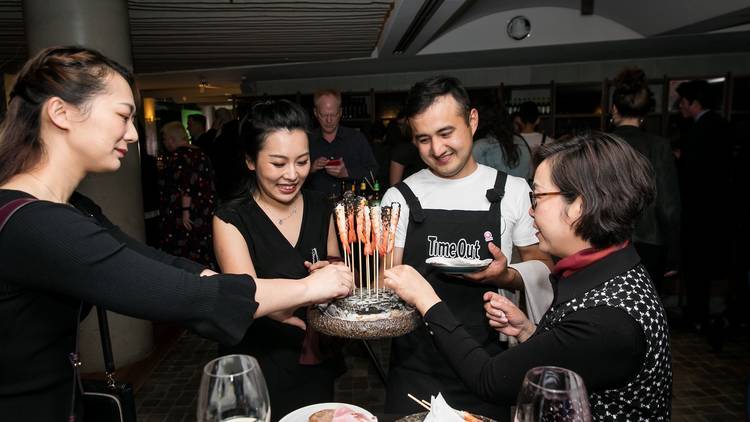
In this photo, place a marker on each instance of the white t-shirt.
(468, 194)
(534, 139)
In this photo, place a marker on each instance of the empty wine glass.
(233, 389)
(552, 394)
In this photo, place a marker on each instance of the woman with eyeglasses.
(606, 321)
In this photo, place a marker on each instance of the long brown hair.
(74, 74)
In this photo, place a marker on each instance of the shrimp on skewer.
(368, 245)
(385, 217)
(361, 204)
(340, 213)
(395, 210)
(376, 233)
(352, 236)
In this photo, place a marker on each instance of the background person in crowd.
(496, 144)
(657, 234)
(606, 322)
(705, 154)
(196, 127)
(381, 150)
(278, 231)
(187, 197)
(72, 113)
(528, 122)
(207, 140)
(405, 159)
(337, 152)
(457, 201)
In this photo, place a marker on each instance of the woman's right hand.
(505, 317)
(329, 282)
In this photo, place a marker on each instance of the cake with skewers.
(367, 232)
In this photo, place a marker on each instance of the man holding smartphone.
(337, 152)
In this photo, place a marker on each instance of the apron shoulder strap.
(415, 208)
(495, 195)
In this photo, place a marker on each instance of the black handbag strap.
(109, 361)
(75, 361)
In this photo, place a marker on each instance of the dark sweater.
(660, 222)
(350, 145)
(53, 257)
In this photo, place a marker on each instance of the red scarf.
(583, 258)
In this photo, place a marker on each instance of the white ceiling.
(179, 43)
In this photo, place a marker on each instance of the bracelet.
(185, 208)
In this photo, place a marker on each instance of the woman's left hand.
(316, 266)
(287, 317)
(411, 287)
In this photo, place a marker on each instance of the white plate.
(458, 265)
(303, 414)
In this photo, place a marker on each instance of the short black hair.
(614, 181)
(267, 117)
(528, 112)
(199, 118)
(423, 94)
(698, 90)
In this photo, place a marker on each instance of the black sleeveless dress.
(278, 346)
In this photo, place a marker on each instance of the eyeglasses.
(533, 197)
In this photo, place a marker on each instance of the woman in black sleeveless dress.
(280, 231)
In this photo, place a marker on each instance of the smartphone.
(333, 162)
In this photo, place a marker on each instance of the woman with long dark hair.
(71, 113)
(279, 230)
(497, 145)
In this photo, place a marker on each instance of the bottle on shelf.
(375, 197)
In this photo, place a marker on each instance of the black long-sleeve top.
(605, 345)
(52, 257)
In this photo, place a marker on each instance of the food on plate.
(341, 414)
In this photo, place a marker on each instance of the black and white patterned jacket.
(626, 286)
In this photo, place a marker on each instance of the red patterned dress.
(187, 171)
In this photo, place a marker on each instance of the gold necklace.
(44, 185)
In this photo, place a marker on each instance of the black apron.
(416, 366)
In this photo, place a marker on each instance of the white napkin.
(440, 411)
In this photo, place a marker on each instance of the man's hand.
(497, 273)
(505, 317)
(319, 164)
(339, 171)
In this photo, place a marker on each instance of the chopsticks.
(422, 403)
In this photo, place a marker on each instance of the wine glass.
(233, 389)
(552, 394)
